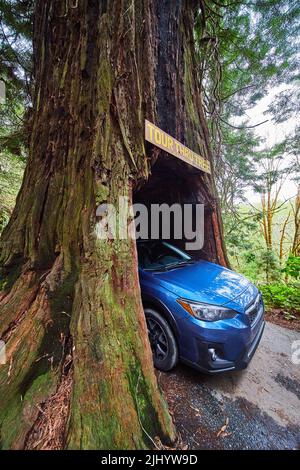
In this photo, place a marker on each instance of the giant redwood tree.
(79, 371)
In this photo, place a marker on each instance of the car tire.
(162, 340)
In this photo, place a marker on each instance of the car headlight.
(207, 312)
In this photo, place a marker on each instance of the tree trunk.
(296, 212)
(79, 372)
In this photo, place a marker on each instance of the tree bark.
(79, 373)
(296, 213)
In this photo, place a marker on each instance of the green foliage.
(248, 255)
(15, 72)
(292, 267)
(11, 174)
(15, 58)
(257, 47)
(243, 242)
(244, 50)
(236, 172)
(268, 262)
(282, 296)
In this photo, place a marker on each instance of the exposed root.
(30, 296)
(49, 429)
(25, 303)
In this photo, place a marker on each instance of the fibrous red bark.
(70, 303)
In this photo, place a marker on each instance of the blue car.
(197, 312)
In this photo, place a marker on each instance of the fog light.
(213, 354)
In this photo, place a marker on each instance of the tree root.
(49, 430)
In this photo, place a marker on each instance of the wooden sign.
(165, 142)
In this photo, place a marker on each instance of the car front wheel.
(162, 341)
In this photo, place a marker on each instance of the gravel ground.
(258, 408)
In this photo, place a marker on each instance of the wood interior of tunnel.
(175, 182)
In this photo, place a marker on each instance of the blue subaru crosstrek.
(198, 312)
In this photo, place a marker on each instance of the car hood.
(205, 282)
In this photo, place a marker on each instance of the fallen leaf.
(196, 409)
(221, 432)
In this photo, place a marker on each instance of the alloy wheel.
(158, 339)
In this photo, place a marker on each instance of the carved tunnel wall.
(175, 182)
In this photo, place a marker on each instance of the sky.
(273, 133)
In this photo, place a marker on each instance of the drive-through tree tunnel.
(175, 183)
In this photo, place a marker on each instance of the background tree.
(244, 50)
(296, 213)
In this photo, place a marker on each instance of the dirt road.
(258, 408)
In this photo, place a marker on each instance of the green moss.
(36, 367)
(101, 193)
(14, 416)
(51, 346)
(190, 102)
(39, 388)
(8, 276)
(142, 398)
(10, 422)
(105, 80)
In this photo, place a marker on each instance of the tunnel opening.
(176, 183)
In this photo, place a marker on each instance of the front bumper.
(210, 366)
(219, 350)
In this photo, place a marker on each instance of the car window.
(158, 255)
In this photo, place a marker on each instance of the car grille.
(255, 309)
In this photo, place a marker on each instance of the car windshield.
(158, 255)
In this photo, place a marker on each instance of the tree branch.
(243, 127)
(237, 91)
